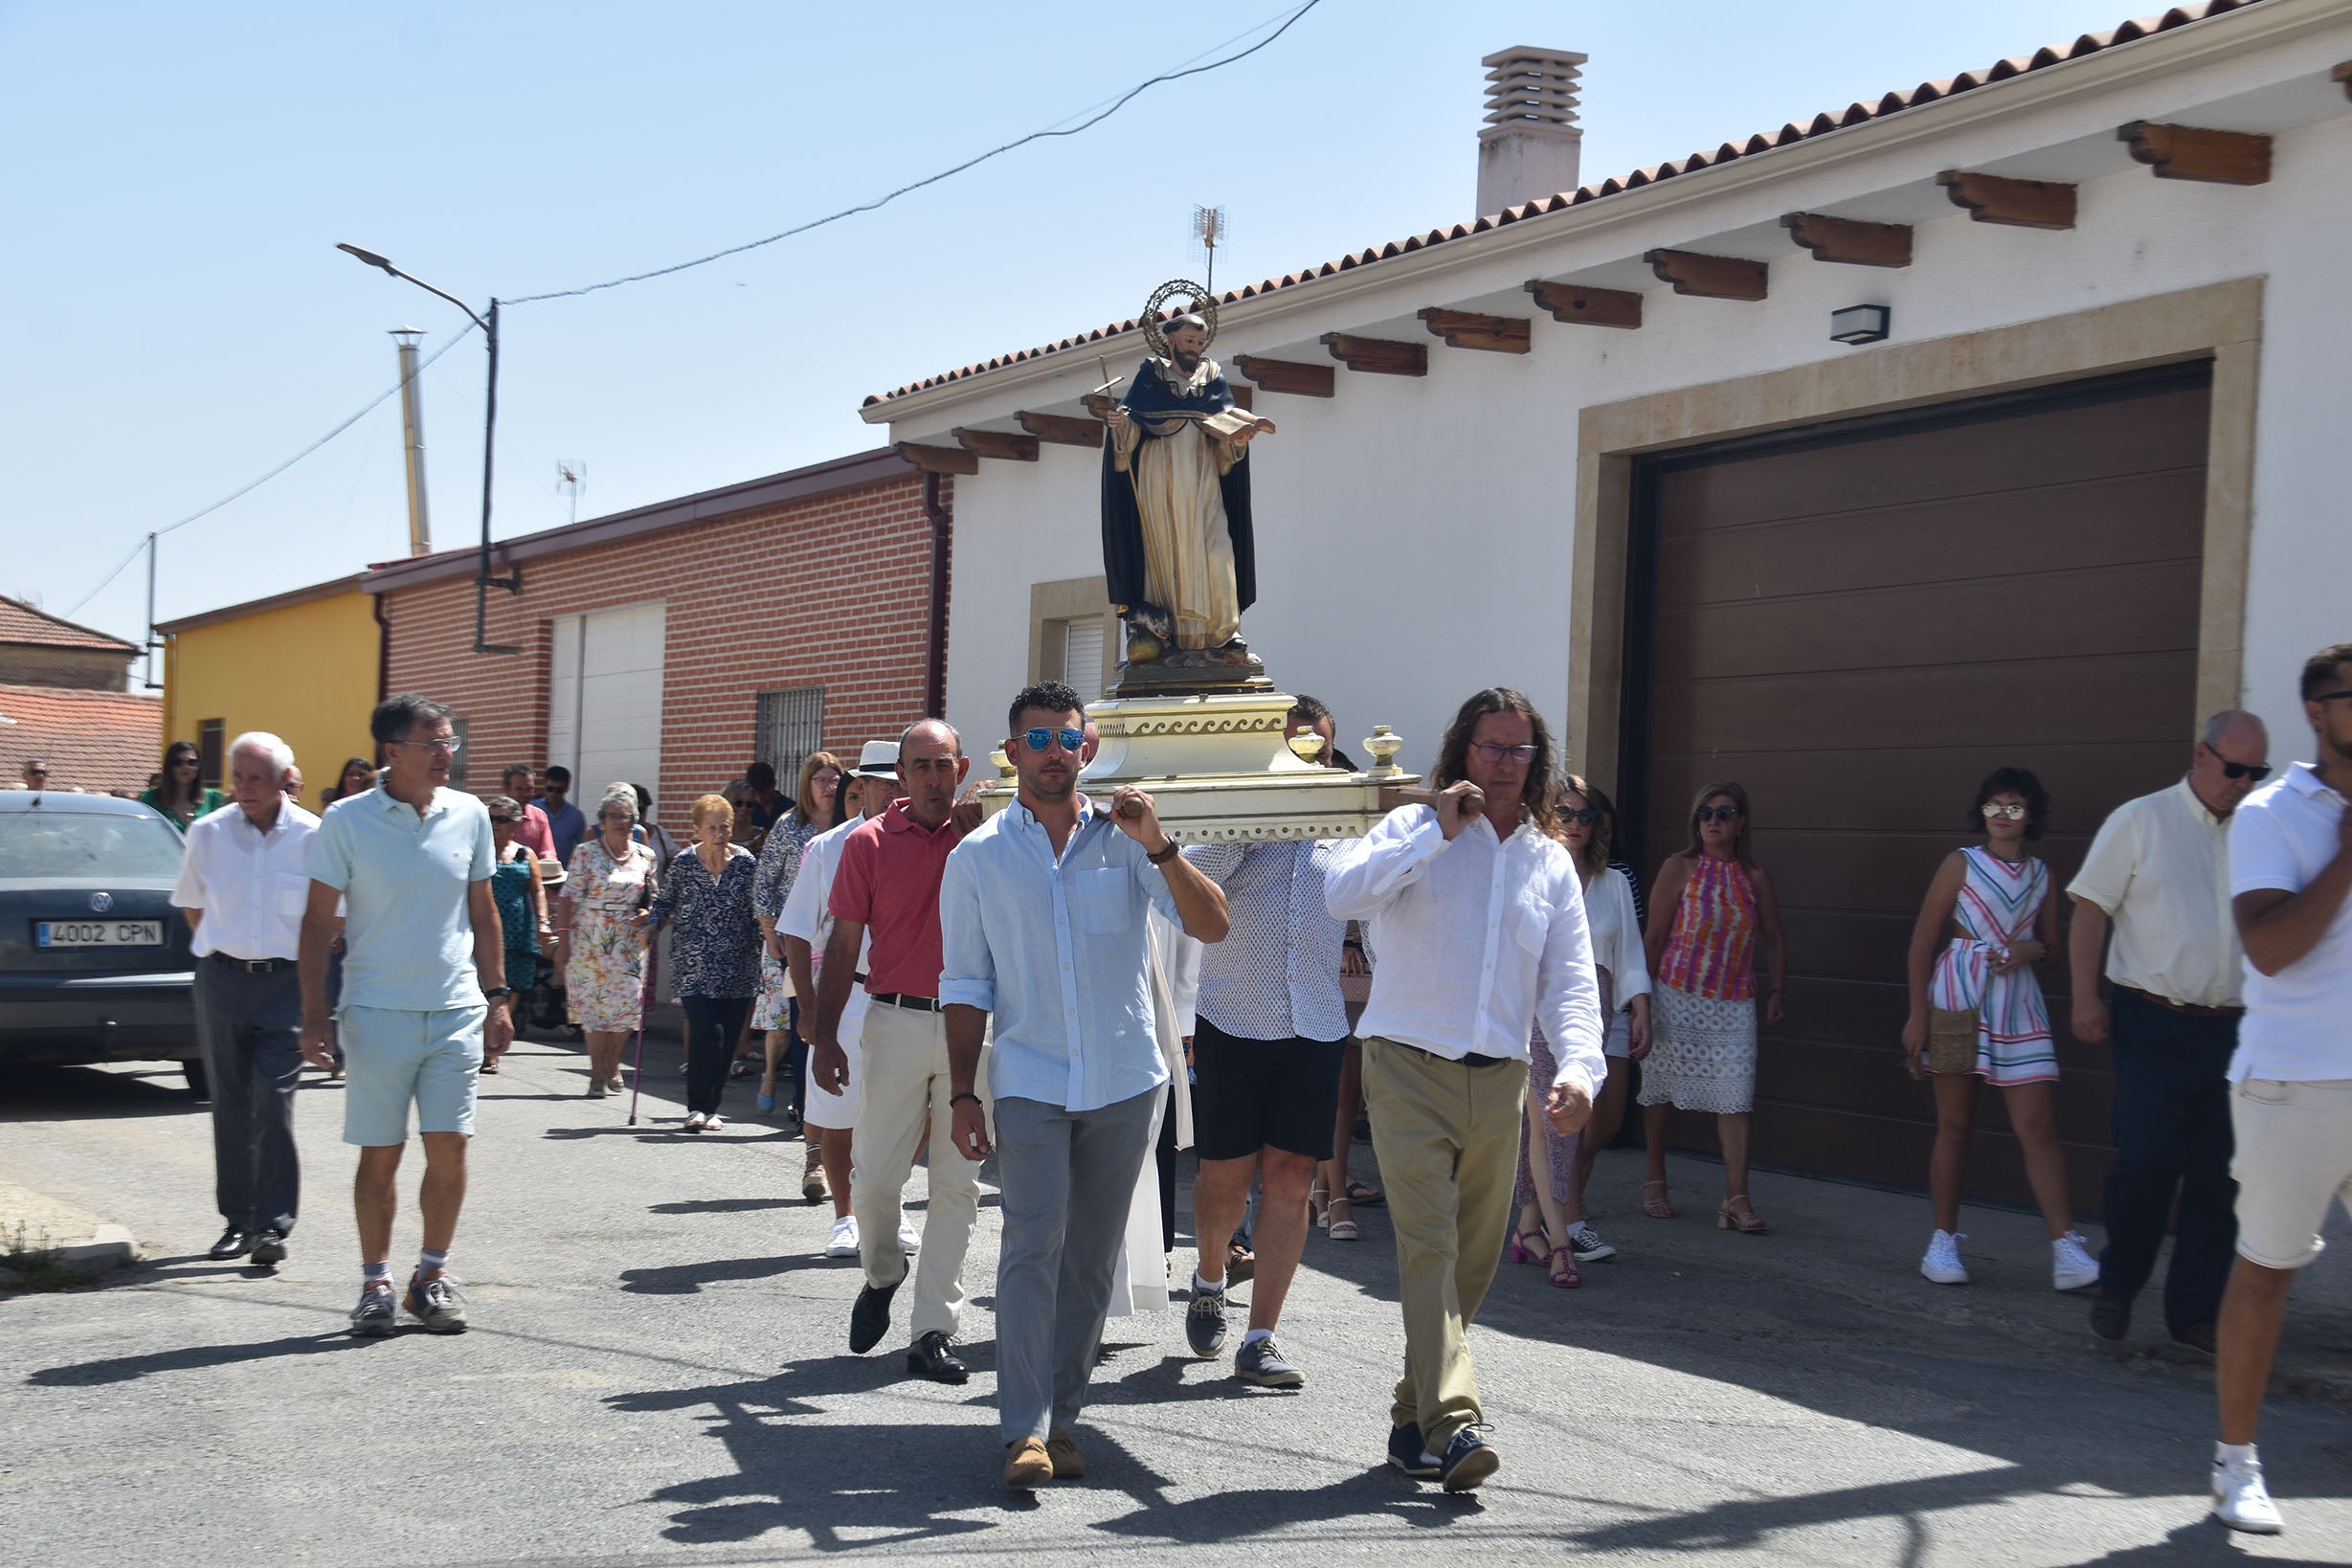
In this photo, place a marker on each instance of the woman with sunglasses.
(1710, 907)
(357, 776)
(1977, 1012)
(600, 936)
(522, 901)
(1551, 1226)
(179, 795)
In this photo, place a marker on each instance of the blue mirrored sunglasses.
(1036, 740)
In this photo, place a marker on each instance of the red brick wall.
(831, 593)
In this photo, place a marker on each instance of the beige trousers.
(903, 1055)
(1447, 1135)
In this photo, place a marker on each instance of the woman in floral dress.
(601, 938)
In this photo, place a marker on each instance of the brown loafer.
(1025, 1463)
(1061, 1449)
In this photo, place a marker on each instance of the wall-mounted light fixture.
(1858, 324)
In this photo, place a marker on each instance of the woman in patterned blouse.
(706, 900)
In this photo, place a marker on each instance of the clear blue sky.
(179, 174)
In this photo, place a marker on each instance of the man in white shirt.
(2289, 872)
(1477, 911)
(805, 925)
(244, 889)
(2158, 873)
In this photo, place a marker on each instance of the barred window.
(792, 724)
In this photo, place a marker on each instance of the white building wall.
(1415, 536)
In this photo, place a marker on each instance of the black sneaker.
(2110, 1319)
(1407, 1453)
(269, 1248)
(932, 1358)
(1204, 1323)
(1260, 1361)
(234, 1243)
(1470, 1459)
(1585, 1245)
(870, 1319)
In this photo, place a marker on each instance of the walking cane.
(653, 977)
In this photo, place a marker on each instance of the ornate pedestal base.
(1218, 765)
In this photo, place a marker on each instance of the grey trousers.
(249, 1027)
(1068, 1183)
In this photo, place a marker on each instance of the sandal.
(1657, 1208)
(1319, 1207)
(1750, 1223)
(1522, 1253)
(1564, 1268)
(1366, 1194)
(1241, 1264)
(1341, 1230)
(767, 1095)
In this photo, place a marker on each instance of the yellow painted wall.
(305, 672)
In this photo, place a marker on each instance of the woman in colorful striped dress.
(1977, 1012)
(1712, 904)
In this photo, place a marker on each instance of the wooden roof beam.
(938, 459)
(2189, 152)
(1002, 445)
(1579, 306)
(1463, 330)
(2020, 204)
(1851, 240)
(1062, 429)
(1709, 276)
(1286, 376)
(2342, 74)
(1377, 356)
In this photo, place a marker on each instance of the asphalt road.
(659, 1373)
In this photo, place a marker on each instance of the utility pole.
(413, 440)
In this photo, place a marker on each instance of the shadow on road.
(124, 1369)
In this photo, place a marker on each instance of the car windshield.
(43, 843)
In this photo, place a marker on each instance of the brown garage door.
(1858, 625)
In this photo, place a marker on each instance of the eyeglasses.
(2332, 696)
(504, 821)
(186, 762)
(1583, 818)
(2242, 770)
(1717, 814)
(1036, 740)
(1497, 751)
(2013, 811)
(445, 746)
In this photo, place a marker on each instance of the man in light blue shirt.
(1042, 919)
(424, 993)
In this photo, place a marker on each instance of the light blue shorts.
(393, 1055)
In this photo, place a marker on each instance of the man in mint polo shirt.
(424, 993)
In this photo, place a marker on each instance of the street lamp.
(483, 582)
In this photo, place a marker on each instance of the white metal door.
(604, 699)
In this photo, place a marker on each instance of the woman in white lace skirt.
(1709, 908)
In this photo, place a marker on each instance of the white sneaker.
(2071, 1268)
(2242, 1502)
(1942, 1262)
(843, 1241)
(910, 1239)
(694, 1122)
(716, 1123)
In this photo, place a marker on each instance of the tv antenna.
(1208, 233)
(570, 479)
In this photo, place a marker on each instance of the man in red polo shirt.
(889, 885)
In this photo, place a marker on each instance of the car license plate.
(97, 933)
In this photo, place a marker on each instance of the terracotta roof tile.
(21, 623)
(100, 740)
(1894, 102)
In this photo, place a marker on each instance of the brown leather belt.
(2185, 1008)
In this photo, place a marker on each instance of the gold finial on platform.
(1004, 764)
(1307, 745)
(1383, 744)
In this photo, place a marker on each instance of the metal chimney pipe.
(413, 440)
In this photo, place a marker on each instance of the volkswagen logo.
(100, 903)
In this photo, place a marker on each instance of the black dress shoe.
(932, 1358)
(1470, 1459)
(234, 1242)
(269, 1248)
(870, 1319)
(2110, 1319)
(1407, 1453)
(2197, 1337)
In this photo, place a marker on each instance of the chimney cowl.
(1530, 146)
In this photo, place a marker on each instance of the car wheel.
(199, 1084)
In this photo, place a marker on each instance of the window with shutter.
(1082, 656)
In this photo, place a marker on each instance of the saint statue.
(1176, 545)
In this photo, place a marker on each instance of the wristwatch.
(1162, 857)
(496, 991)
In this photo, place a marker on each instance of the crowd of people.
(1064, 988)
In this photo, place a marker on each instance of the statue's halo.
(1203, 304)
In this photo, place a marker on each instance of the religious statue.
(1176, 545)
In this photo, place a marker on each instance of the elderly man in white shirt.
(2158, 873)
(1477, 911)
(244, 888)
(2291, 889)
